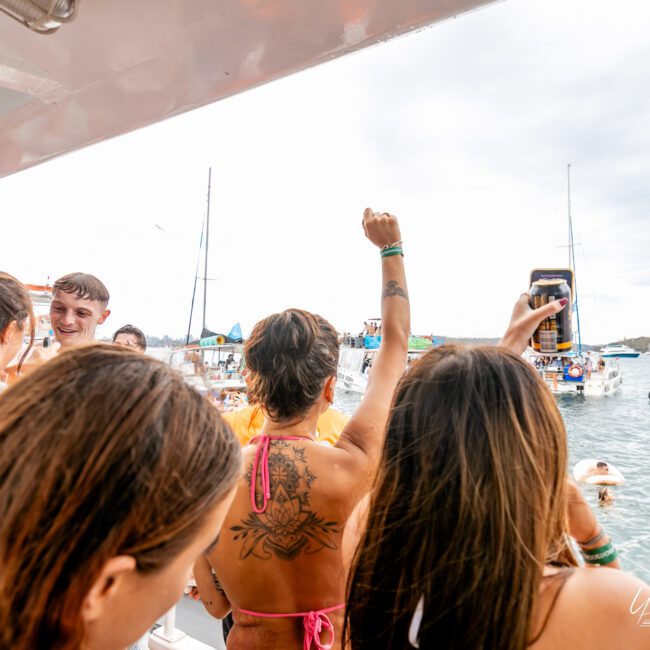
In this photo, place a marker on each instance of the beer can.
(554, 335)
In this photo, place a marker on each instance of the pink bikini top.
(314, 621)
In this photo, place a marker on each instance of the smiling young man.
(79, 305)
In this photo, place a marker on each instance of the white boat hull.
(598, 385)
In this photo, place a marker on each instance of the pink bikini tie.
(263, 449)
(314, 622)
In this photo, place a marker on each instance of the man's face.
(602, 470)
(74, 320)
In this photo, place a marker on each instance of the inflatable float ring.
(613, 476)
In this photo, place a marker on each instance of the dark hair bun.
(290, 356)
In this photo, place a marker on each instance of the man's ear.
(105, 314)
(112, 576)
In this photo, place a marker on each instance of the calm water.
(616, 429)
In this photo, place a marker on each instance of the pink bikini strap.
(314, 623)
(263, 451)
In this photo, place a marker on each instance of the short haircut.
(132, 329)
(600, 463)
(84, 286)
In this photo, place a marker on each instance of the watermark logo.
(641, 609)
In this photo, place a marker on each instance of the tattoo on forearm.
(217, 584)
(393, 289)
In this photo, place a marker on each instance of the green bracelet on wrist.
(395, 250)
(602, 555)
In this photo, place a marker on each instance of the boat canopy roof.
(121, 65)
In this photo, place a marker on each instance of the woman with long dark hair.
(465, 543)
(114, 477)
(16, 321)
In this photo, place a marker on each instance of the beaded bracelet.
(395, 250)
(601, 555)
(594, 539)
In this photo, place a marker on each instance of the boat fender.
(613, 477)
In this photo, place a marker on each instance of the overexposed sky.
(463, 130)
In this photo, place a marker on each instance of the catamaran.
(577, 372)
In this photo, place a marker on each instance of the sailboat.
(213, 364)
(577, 372)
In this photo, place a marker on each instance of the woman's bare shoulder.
(603, 606)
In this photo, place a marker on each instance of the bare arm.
(364, 434)
(212, 595)
(583, 525)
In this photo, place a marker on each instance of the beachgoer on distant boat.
(278, 561)
(16, 322)
(461, 552)
(115, 476)
(131, 337)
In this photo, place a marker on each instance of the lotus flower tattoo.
(287, 527)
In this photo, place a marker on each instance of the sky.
(463, 130)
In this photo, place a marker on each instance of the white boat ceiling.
(124, 64)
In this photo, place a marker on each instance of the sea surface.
(615, 429)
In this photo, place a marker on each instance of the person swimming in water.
(605, 496)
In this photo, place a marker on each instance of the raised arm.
(525, 320)
(364, 434)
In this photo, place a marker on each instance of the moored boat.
(618, 351)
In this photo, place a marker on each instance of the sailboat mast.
(572, 257)
(207, 249)
(196, 279)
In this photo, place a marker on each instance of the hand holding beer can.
(554, 335)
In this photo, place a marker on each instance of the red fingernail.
(564, 301)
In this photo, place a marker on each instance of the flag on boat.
(235, 333)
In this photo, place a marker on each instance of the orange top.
(246, 423)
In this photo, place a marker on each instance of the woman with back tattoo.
(278, 562)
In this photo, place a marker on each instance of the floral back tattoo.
(288, 527)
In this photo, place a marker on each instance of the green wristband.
(389, 252)
(602, 555)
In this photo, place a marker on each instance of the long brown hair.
(468, 506)
(289, 357)
(103, 452)
(16, 305)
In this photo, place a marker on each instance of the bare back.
(287, 559)
(283, 554)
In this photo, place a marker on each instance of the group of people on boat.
(442, 516)
(580, 367)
